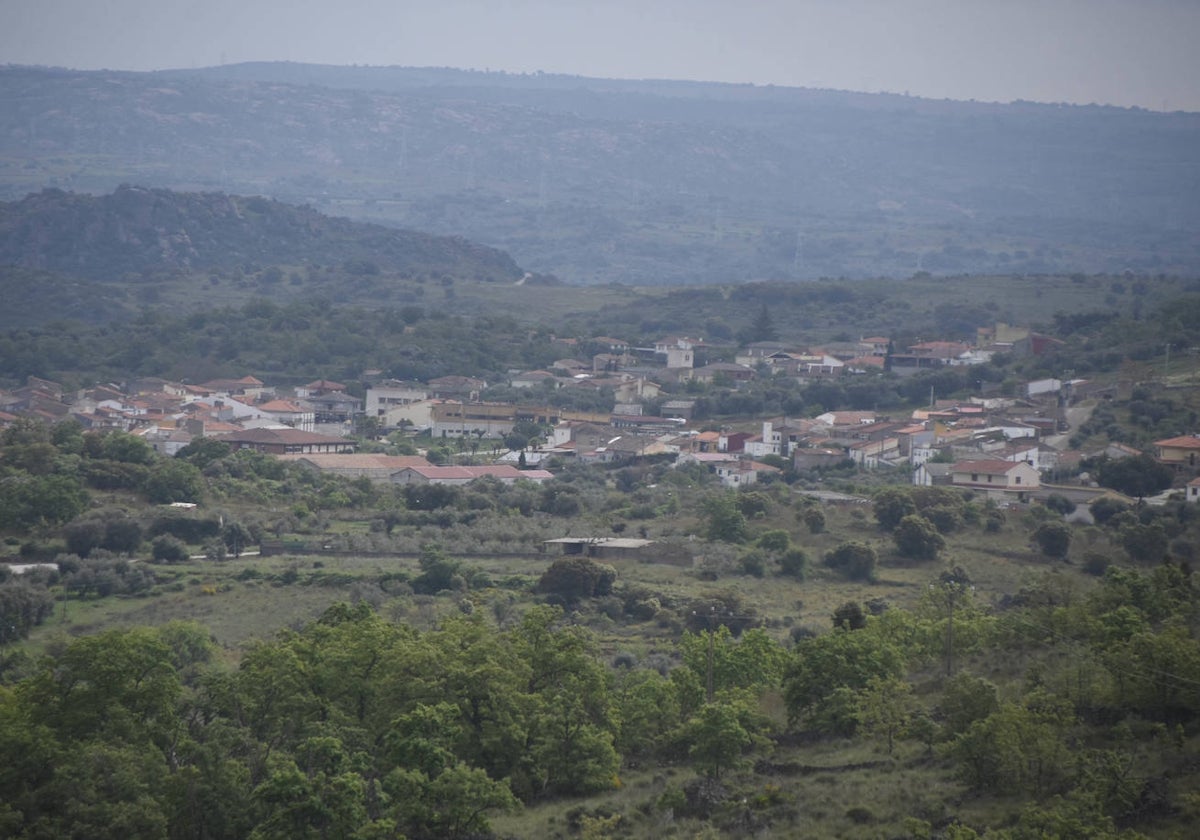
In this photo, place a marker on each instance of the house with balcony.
(1182, 453)
(289, 413)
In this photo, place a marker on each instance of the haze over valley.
(697, 420)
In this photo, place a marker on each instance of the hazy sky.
(1121, 52)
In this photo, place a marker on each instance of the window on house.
(974, 476)
(1018, 480)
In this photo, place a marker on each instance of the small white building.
(415, 415)
(679, 358)
(1192, 491)
(1043, 386)
(390, 394)
(732, 471)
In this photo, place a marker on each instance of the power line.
(1136, 670)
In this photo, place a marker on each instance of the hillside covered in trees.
(637, 182)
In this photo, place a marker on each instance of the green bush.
(918, 538)
(777, 541)
(753, 563)
(1053, 538)
(1059, 504)
(575, 578)
(855, 560)
(168, 549)
(186, 526)
(794, 563)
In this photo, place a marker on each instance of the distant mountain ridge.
(638, 182)
(136, 230)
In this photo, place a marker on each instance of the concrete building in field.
(623, 548)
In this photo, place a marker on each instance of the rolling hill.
(637, 182)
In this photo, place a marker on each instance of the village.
(1011, 448)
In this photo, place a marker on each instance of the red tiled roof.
(358, 461)
(282, 407)
(1181, 442)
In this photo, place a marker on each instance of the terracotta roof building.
(285, 441)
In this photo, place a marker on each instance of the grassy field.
(250, 597)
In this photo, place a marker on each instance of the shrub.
(855, 560)
(891, 505)
(777, 541)
(122, 535)
(753, 504)
(1095, 563)
(189, 528)
(859, 815)
(946, 518)
(1053, 538)
(917, 537)
(1144, 543)
(814, 518)
(22, 607)
(438, 572)
(1105, 508)
(82, 537)
(966, 699)
(849, 616)
(794, 563)
(173, 481)
(994, 522)
(754, 564)
(574, 578)
(1137, 476)
(168, 549)
(726, 523)
(1059, 504)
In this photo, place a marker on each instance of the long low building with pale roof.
(464, 475)
(374, 466)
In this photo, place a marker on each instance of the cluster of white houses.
(994, 446)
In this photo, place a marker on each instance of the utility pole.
(953, 588)
(708, 678)
(950, 637)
